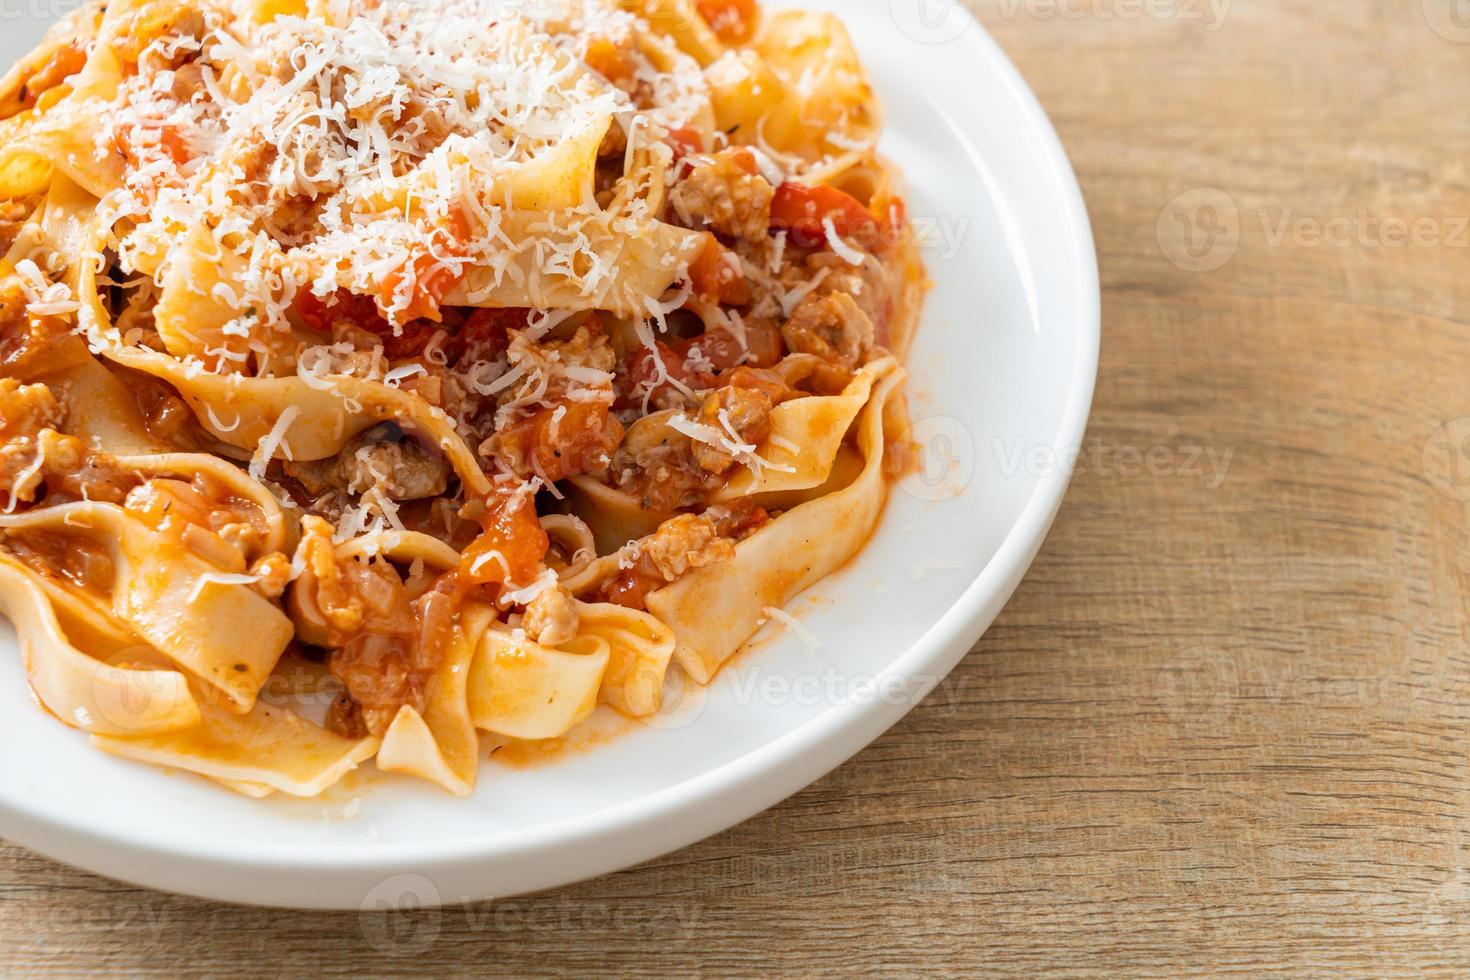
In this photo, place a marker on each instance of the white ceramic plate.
(1000, 378)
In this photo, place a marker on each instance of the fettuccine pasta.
(474, 362)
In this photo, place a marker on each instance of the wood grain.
(1225, 723)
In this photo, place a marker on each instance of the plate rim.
(705, 804)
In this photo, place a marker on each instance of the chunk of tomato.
(608, 60)
(733, 21)
(717, 276)
(686, 143)
(557, 442)
(802, 210)
(511, 545)
(64, 62)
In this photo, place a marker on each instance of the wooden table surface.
(1225, 722)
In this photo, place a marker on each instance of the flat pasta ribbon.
(713, 610)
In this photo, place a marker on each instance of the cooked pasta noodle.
(480, 361)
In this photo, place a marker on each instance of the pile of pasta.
(379, 376)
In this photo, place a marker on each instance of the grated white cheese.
(697, 360)
(796, 626)
(926, 566)
(725, 439)
(524, 595)
(778, 251)
(629, 554)
(768, 168)
(43, 297)
(25, 481)
(489, 556)
(781, 442)
(844, 142)
(266, 450)
(661, 376)
(399, 374)
(220, 578)
(796, 294)
(553, 431)
(217, 424)
(661, 309)
(400, 125)
(503, 382)
(844, 251)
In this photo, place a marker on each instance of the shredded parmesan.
(503, 382)
(781, 442)
(266, 451)
(845, 251)
(462, 95)
(403, 373)
(778, 251)
(25, 481)
(661, 370)
(629, 554)
(489, 556)
(217, 424)
(796, 626)
(725, 439)
(796, 294)
(44, 298)
(928, 565)
(845, 142)
(660, 309)
(522, 596)
(220, 578)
